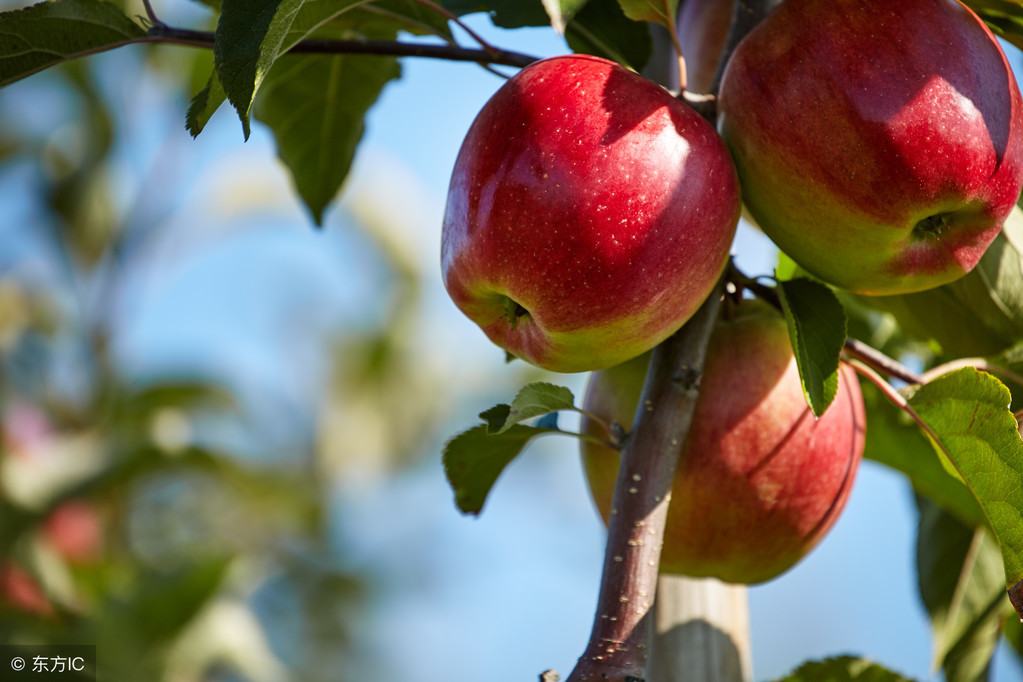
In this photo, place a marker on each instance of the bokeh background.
(222, 427)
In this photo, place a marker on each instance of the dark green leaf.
(42, 35)
(843, 669)
(411, 16)
(204, 105)
(817, 327)
(474, 459)
(504, 13)
(661, 12)
(315, 106)
(962, 586)
(602, 30)
(895, 440)
(967, 411)
(496, 417)
(252, 34)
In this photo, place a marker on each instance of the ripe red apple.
(879, 144)
(589, 215)
(760, 481)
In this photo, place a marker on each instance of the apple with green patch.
(879, 144)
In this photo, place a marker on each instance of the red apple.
(879, 144)
(760, 481)
(589, 215)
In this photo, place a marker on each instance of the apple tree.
(878, 143)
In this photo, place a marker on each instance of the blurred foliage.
(125, 521)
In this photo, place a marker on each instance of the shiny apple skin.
(851, 121)
(588, 216)
(760, 481)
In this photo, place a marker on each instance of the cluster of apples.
(590, 213)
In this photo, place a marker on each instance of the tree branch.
(617, 650)
(161, 33)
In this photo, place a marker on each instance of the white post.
(701, 632)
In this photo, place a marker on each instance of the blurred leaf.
(817, 326)
(474, 459)
(1004, 17)
(315, 106)
(843, 669)
(1014, 635)
(602, 30)
(896, 441)
(48, 33)
(962, 586)
(504, 13)
(661, 12)
(967, 410)
(562, 11)
(534, 400)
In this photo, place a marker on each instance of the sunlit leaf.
(967, 411)
(562, 11)
(843, 669)
(661, 12)
(534, 400)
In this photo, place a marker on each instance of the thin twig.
(454, 19)
(881, 362)
(977, 363)
(180, 36)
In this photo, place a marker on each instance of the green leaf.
(504, 13)
(204, 105)
(474, 459)
(896, 441)
(661, 12)
(562, 11)
(843, 669)
(40, 36)
(1004, 17)
(600, 29)
(967, 411)
(817, 328)
(315, 106)
(535, 400)
(252, 34)
(961, 584)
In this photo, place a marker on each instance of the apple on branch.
(878, 143)
(760, 481)
(589, 214)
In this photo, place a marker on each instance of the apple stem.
(618, 645)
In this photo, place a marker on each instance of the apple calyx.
(933, 226)
(513, 310)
